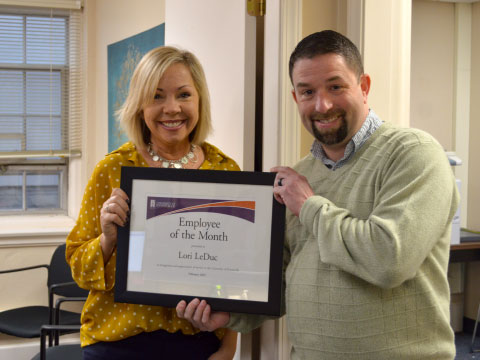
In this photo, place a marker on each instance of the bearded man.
(368, 224)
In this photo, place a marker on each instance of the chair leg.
(475, 332)
(50, 315)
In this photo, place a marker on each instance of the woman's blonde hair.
(143, 86)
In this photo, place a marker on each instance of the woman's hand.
(200, 315)
(114, 212)
(227, 348)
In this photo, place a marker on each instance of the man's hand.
(291, 188)
(201, 316)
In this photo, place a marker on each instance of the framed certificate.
(213, 235)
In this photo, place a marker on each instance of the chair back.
(60, 272)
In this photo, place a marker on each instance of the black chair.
(58, 352)
(26, 322)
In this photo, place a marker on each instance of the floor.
(463, 342)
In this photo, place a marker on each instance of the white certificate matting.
(206, 243)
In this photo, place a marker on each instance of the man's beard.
(331, 136)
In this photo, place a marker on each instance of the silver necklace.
(177, 164)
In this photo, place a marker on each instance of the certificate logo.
(161, 206)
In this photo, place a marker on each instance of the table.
(465, 252)
(468, 250)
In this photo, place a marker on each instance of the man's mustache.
(316, 116)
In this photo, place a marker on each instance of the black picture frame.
(272, 306)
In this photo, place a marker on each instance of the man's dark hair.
(327, 42)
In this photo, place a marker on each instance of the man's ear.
(294, 95)
(365, 82)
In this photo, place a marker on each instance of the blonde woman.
(167, 117)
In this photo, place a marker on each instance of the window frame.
(56, 160)
(42, 169)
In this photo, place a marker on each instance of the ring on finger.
(107, 208)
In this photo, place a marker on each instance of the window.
(40, 107)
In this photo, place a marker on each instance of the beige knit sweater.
(366, 273)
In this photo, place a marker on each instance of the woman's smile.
(172, 124)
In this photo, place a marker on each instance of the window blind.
(41, 96)
(57, 4)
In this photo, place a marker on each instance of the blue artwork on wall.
(123, 57)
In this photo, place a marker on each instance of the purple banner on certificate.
(160, 206)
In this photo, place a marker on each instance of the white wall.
(216, 32)
(473, 220)
(386, 55)
(109, 21)
(444, 90)
(432, 76)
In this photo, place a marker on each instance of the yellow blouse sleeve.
(84, 253)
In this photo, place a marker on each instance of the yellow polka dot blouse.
(102, 318)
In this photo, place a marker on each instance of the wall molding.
(290, 127)
(34, 230)
(32, 241)
(461, 104)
